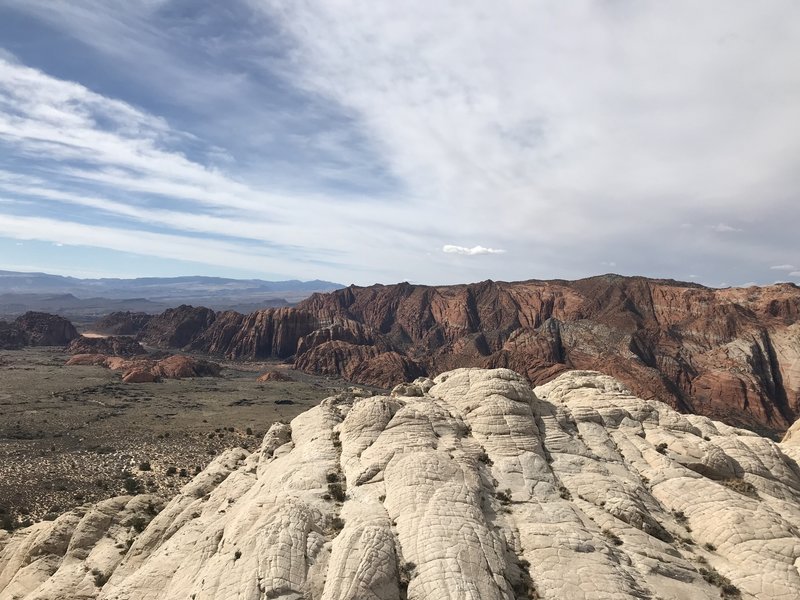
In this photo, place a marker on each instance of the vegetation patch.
(713, 577)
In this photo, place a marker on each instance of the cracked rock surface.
(468, 486)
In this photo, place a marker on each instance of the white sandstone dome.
(467, 487)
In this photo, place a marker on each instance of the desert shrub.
(131, 485)
(138, 523)
(7, 522)
(100, 578)
(504, 496)
(249, 431)
(740, 485)
(407, 572)
(714, 578)
(679, 515)
(484, 458)
(564, 493)
(237, 555)
(612, 537)
(183, 473)
(337, 524)
(171, 471)
(332, 477)
(144, 466)
(662, 448)
(336, 491)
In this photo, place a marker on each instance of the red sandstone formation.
(732, 354)
(145, 370)
(36, 329)
(273, 376)
(112, 345)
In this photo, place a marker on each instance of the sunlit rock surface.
(469, 486)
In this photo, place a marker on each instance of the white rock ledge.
(470, 486)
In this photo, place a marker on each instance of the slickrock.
(468, 486)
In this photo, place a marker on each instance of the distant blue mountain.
(60, 294)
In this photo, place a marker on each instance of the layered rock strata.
(469, 486)
(731, 354)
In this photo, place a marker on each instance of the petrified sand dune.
(469, 486)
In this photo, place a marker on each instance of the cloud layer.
(353, 141)
(474, 251)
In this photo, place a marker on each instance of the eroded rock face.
(11, 336)
(732, 354)
(122, 323)
(176, 327)
(468, 486)
(112, 346)
(43, 329)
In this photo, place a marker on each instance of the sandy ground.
(70, 435)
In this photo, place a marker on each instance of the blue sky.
(434, 142)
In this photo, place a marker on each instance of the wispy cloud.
(474, 251)
(346, 139)
(724, 228)
(783, 268)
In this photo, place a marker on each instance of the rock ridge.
(731, 354)
(471, 485)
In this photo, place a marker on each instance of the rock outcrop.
(732, 354)
(176, 327)
(36, 329)
(122, 323)
(469, 486)
(274, 376)
(112, 346)
(148, 370)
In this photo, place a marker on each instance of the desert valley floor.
(76, 434)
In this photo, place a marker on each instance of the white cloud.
(599, 141)
(474, 251)
(724, 228)
(783, 268)
(609, 141)
(795, 274)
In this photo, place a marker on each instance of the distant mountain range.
(78, 298)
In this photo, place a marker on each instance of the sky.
(374, 142)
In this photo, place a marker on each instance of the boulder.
(274, 376)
